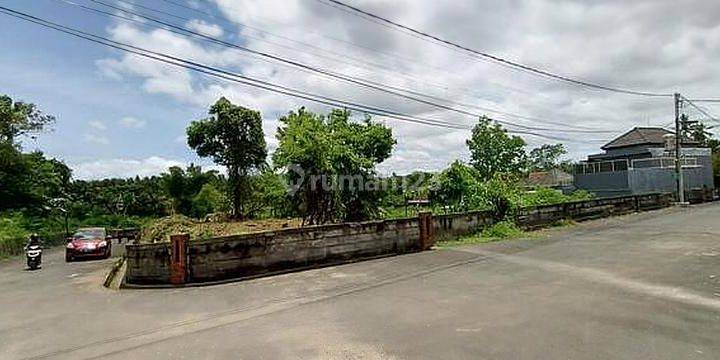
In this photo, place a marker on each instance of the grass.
(504, 230)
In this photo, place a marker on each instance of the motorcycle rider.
(33, 240)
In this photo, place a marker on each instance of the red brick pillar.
(178, 258)
(427, 231)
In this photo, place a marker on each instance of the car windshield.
(88, 234)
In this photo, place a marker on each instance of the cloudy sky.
(121, 115)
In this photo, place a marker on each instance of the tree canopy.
(546, 157)
(19, 118)
(233, 137)
(493, 150)
(454, 186)
(333, 160)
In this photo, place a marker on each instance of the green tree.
(233, 137)
(455, 186)
(333, 164)
(703, 135)
(19, 118)
(494, 151)
(182, 186)
(174, 184)
(546, 157)
(208, 200)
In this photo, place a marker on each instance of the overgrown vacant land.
(161, 229)
(39, 194)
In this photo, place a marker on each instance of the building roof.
(643, 136)
(554, 177)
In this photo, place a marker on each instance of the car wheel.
(68, 257)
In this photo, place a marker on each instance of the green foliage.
(493, 151)
(502, 230)
(143, 197)
(455, 187)
(460, 188)
(501, 195)
(546, 157)
(12, 235)
(183, 186)
(19, 118)
(337, 159)
(269, 197)
(233, 137)
(30, 181)
(209, 200)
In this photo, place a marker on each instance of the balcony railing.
(623, 165)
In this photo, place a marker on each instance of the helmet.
(34, 236)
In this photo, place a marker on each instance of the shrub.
(12, 235)
(502, 230)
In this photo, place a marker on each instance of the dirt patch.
(161, 229)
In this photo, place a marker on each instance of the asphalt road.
(644, 286)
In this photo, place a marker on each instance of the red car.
(87, 243)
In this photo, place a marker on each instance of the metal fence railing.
(602, 166)
(623, 165)
(664, 163)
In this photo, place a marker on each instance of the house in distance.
(642, 161)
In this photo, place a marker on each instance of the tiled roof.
(643, 136)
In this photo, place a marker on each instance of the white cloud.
(96, 139)
(132, 123)
(205, 28)
(97, 125)
(123, 168)
(613, 42)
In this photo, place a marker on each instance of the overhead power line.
(219, 73)
(698, 108)
(705, 100)
(393, 90)
(518, 66)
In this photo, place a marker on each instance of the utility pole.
(678, 151)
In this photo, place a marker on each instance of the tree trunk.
(235, 180)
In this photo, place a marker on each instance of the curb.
(116, 275)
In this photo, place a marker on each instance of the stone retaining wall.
(250, 255)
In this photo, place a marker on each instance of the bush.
(502, 230)
(12, 235)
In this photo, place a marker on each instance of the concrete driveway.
(634, 287)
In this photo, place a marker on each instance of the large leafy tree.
(233, 137)
(333, 164)
(455, 186)
(19, 118)
(494, 151)
(27, 181)
(546, 157)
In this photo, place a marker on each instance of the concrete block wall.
(451, 226)
(267, 252)
(249, 255)
(148, 264)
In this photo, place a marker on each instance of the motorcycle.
(34, 256)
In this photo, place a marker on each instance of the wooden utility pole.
(678, 151)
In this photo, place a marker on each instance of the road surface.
(643, 286)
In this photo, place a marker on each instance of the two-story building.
(643, 161)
